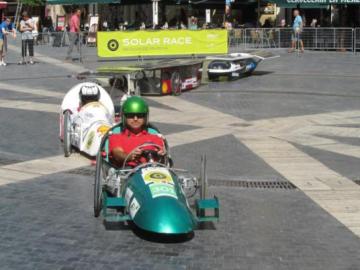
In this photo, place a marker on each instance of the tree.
(33, 2)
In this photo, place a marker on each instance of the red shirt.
(74, 23)
(128, 141)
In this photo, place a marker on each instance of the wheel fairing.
(163, 214)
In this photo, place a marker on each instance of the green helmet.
(135, 104)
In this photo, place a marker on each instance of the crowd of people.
(27, 28)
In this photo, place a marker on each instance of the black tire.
(98, 185)
(213, 77)
(176, 83)
(67, 134)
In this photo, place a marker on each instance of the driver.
(135, 114)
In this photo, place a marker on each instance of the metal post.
(316, 38)
(80, 46)
(245, 39)
(258, 13)
(155, 6)
(17, 13)
(354, 40)
(279, 37)
(298, 42)
(334, 39)
(203, 177)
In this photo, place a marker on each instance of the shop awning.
(80, 2)
(3, 4)
(312, 3)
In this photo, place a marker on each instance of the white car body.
(88, 123)
(237, 63)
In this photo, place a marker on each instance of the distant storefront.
(345, 13)
(243, 13)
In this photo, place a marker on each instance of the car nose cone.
(165, 215)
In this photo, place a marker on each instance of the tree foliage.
(33, 2)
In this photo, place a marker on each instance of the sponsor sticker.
(157, 176)
(250, 67)
(113, 45)
(159, 190)
(103, 129)
(90, 139)
(134, 208)
(128, 195)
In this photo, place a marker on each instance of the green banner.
(313, 3)
(80, 2)
(163, 42)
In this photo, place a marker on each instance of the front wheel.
(98, 185)
(176, 83)
(67, 134)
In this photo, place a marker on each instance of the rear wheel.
(98, 185)
(176, 83)
(67, 134)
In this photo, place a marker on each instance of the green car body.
(159, 206)
(151, 196)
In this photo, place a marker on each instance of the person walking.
(27, 39)
(5, 28)
(74, 33)
(296, 33)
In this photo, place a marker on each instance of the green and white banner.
(312, 3)
(323, 2)
(163, 42)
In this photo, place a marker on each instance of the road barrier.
(319, 38)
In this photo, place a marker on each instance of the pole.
(155, 6)
(17, 13)
(258, 13)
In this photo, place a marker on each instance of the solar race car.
(235, 65)
(153, 195)
(87, 113)
(165, 77)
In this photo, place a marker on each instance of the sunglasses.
(138, 115)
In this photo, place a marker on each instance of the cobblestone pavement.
(295, 120)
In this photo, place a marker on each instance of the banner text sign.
(164, 42)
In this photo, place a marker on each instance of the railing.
(344, 39)
(313, 38)
(356, 40)
(62, 39)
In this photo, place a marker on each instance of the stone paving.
(293, 121)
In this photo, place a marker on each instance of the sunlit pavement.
(296, 121)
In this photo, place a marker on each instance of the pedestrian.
(74, 33)
(5, 28)
(282, 23)
(27, 38)
(296, 33)
(313, 23)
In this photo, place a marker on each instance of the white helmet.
(89, 92)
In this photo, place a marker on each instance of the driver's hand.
(135, 155)
(161, 152)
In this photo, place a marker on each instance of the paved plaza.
(283, 150)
